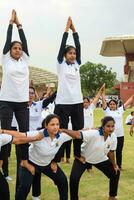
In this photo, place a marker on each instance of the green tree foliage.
(94, 75)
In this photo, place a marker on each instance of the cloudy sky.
(44, 22)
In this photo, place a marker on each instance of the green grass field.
(95, 186)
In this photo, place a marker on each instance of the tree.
(94, 75)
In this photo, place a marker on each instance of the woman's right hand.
(69, 23)
(12, 20)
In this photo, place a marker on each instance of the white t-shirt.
(129, 119)
(42, 152)
(5, 139)
(69, 84)
(94, 148)
(15, 80)
(48, 110)
(35, 111)
(118, 117)
(89, 116)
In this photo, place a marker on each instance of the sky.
(44, 23)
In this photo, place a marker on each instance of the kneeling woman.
(41, 154)
(98, 149)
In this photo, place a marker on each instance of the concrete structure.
(122, 46)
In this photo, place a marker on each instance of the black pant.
(7, 151)
(21, 112)
(26, 179)
(120, 144)
(67, 149)
(75, 111)
(36, 185)
(4, 188)
(79, 168)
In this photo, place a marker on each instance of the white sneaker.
(35, 198)
(8, 178)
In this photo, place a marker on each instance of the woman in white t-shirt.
(116, 112)
(14, 94)
(69, 100)
(41, 154)
(98, 149)
(89, 108)
(4, 140)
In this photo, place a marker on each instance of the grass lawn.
(95, 186)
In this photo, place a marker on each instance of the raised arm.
(104, 103)
(9, 34)
(96, 99)
(22, 35)
(49, 100)
(63, 42)
(129, 102)
(77, 43)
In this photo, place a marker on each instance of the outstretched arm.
(129, 102)
(63, 42)
(20, 137)
(22, 35)
(77, 43)
(9, 34)
(73, 134)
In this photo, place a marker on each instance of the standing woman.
(116, 112)
(98, 149)
(69, 100)
(14, 94)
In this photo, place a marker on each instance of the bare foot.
(54, 167)
(112, 198)
(31, 168)
(62, 160)
(90, 171)
(68, 161)
(81, 159)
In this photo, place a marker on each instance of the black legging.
(120, 144)
(67, 149)
(21, 112)
(79, 168)
(26, 179)
(4, 188)
(75, 111)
